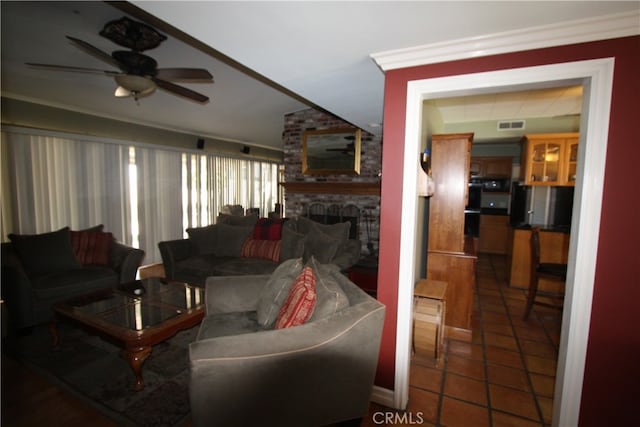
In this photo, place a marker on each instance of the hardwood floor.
(28, 399)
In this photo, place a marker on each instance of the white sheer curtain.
(143, 195)
(252, 184)
(210, 182)
(56, 182)
(159, 198)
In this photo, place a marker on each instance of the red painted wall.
(613, 356)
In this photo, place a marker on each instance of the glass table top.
(141, 304)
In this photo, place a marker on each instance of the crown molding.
(558, 34)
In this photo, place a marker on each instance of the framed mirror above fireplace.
(331, 152)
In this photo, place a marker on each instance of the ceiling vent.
(510, 125)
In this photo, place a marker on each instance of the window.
(142, 194)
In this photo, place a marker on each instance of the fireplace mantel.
(329, 187)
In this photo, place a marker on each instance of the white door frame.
(596, 76)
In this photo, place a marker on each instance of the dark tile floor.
(504, 377)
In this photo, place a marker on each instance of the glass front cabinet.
(550, 159)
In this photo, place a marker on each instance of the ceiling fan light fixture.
(138, 86)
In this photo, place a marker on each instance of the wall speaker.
(246, 149)
(200, 144)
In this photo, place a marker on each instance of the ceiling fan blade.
(193, 75)
(181, 91)
(73, 69)
(94, 51)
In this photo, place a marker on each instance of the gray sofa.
(221, 249)
(244, 372)
(41, 269)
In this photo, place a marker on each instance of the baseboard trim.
(382, 396)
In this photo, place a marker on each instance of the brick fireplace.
(362, 191)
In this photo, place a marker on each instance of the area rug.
(95, 371)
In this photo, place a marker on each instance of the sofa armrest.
(16, 290)
(173, 251)
(348, 255)
(228, 294)
(328, 363)
(125, 260)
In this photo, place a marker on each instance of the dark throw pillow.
(45, 253)
(204, 238)
(338, 231)
(321, 246)
(230, 239)
(292, 244)
(268, 228)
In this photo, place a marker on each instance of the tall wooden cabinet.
(450, 256)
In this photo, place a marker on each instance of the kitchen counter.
(494, 211)
(546, 228)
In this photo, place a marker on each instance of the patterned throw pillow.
(263, 249)
(268, 228)
(91, 247)
(301, 301)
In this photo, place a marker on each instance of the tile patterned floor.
(504, 377)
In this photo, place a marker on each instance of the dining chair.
(543, 270)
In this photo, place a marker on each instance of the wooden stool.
(428, 318)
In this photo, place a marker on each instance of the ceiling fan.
(348, 149)
(138, 74)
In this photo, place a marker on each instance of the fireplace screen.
(333, 214)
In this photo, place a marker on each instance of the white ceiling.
(320, 51)
(555, 102)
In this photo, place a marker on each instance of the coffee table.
(135, 316)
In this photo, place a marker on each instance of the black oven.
(472, 210)
(495, 185)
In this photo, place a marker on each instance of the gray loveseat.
(238, 245)
(41, 269)
(244, 372)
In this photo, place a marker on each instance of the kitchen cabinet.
(491, 167)
(550, 159)
(494, 234)
(571, 161)
(451, 256)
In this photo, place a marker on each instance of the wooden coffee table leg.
(136, 357)
(55, 339)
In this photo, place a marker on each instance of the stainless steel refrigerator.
(541, 205)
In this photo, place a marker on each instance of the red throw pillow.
(264, 249)
(301, 301)
(268, 228)
(91, 247)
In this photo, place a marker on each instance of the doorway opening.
(597, 77)
(546, 111)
